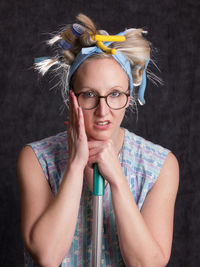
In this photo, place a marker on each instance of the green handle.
(98, 182)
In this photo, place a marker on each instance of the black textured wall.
(29, 111)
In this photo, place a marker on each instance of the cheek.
(120, 115)
(87, 117)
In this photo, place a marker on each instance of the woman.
(55, 174)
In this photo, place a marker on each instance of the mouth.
(102, 125)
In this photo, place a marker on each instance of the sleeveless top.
(141, 161)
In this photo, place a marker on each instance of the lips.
(102, 125)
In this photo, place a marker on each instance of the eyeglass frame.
(105, 97)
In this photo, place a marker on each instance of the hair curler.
(108, 38)
(97, 220)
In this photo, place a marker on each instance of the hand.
(77, 139)
(105, 155)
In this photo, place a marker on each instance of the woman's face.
(102, 76)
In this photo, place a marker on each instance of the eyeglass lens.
(90, 100)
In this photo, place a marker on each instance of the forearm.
(138, 247)
(52, 234)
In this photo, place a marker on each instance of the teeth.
(102, 123)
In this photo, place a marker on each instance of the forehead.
(100, 73)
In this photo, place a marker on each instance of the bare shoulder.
(28, 167)
(29, 171)
(34, 188)
(158, 208)
(169, 174)
(172, 162)
(27, 156)
(167, 183)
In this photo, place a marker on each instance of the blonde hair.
(136, 48)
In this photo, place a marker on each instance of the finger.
(94, 159)
(91, 162)
(73, 115)
(71, 112)
(81, 123)
(74, 101)
(95, 151)
(90, 165)
(74, 110)
(93, 144)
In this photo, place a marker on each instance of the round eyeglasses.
(90, 99)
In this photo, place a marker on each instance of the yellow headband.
(108, 38)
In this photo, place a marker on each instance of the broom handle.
(98, 182)
(97, 222)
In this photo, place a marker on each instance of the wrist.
(117, 184)
(76, 164)
(73, 172)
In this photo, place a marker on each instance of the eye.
(89, 94)
(115, 94)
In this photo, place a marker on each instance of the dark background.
(30, 111)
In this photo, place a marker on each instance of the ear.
(128, 102)
(137, 74)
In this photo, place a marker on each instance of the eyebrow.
(114, 88)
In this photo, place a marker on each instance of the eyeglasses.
(90, 99)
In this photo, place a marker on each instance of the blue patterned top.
(141, 161)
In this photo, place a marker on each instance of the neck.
(118, 139)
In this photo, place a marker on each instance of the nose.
(102, 109)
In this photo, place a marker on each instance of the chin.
(100, 135)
